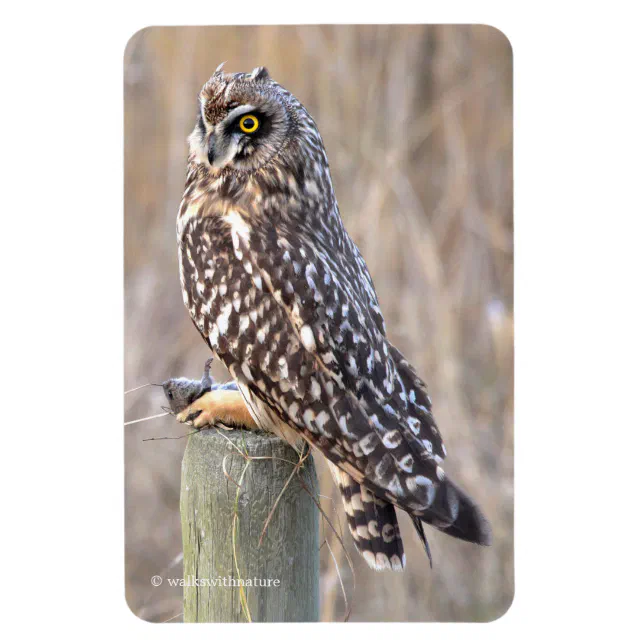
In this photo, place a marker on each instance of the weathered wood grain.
(216, 549)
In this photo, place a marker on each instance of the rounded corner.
(134, 614)
(133, 38)
(502, 34)
(504, 609)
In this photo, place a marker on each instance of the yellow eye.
(248, 123)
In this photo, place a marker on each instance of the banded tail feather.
(373, 524)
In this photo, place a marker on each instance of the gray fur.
(182, 392)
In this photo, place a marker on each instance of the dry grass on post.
(248, 512)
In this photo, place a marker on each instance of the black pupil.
(249, 124)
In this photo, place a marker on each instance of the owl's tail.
(373, 524)
(455, 513)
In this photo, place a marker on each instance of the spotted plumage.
(283, 297)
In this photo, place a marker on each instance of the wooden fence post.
(217, 485)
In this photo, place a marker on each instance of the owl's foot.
(218, 407)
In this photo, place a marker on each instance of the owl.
(283, 297)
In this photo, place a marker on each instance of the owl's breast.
(208, 269)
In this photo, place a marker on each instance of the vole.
(181, 392)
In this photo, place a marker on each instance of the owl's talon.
(190, 415)
(193, 416)
(215, 408)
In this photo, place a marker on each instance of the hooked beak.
(221, 149)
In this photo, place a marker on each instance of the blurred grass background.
(417, 123)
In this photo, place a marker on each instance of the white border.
(578, 293)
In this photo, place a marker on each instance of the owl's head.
(244, 120)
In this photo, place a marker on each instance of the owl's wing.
(320, 361)
(331, 302)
